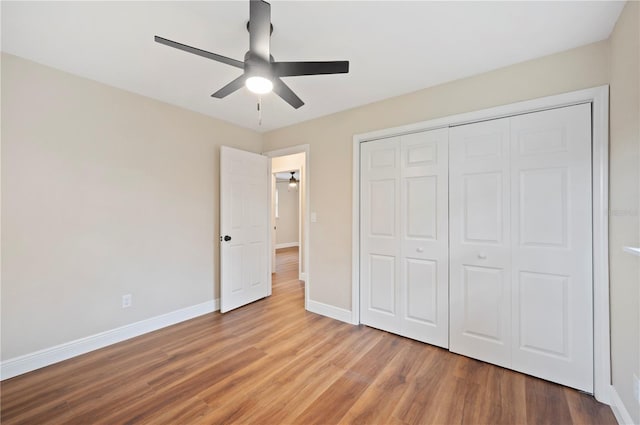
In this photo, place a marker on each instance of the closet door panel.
(379, 234)
(404, 236)
(421, 277)
(480, 259)
(424, 236)
(482, 303)
(382, 289)
(421, 215)
(483, 204)
(551, 222)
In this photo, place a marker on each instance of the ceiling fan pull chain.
(259, 110)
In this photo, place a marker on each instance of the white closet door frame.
(598, 97)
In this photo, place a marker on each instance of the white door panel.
(482, 208)
(543, 303)
(244, 203)
(551, 221)
(421, 277)
(543, 205)
(383, 197)
(383, 284)
(482, 303)
(480, 258)
(424, 239)
(404, 273)
(420, 218)
(380, 198)
(520, 247)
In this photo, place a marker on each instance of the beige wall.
(330, 140)
(287, 221)
(624, 184)
(104, 193)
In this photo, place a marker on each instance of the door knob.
(482, 256)
(420, 249)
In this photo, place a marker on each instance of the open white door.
(244, 228)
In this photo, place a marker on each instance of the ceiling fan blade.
(199, 52)
(286, 93)
(290, 69)
(231, 87)
(260, 28)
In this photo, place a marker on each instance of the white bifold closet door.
(521, 244)
(404, 236)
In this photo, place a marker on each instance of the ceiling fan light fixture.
(259, 85)
(293, 182)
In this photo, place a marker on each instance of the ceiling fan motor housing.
(254, 65)
(270, 29)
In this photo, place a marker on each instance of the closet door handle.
(482, 256)
(419, 249)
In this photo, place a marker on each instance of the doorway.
(290, 206)
(287, 209)
(286, 269)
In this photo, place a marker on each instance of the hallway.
(286, 264)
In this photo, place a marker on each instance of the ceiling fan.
(261, 73)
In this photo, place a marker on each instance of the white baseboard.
(302, 277)
(48, 356)
(329, 311)
(619, 410)
(287, 245)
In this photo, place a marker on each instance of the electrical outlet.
(636, 388)
(126, 301)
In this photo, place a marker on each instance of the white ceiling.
(393, 47)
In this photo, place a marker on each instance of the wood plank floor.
(272, 362)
